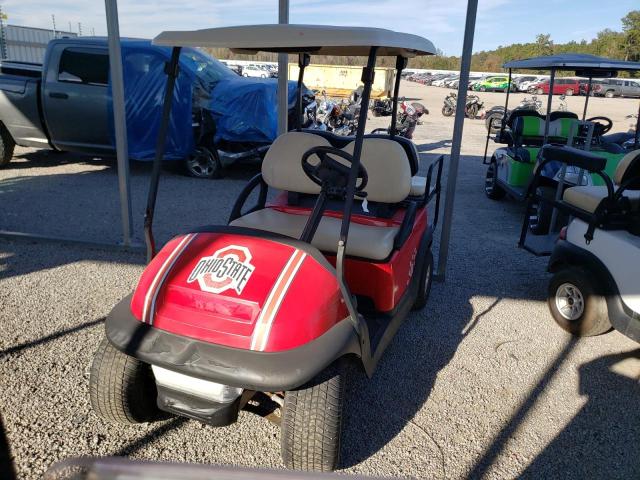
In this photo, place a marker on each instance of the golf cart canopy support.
(292, 38)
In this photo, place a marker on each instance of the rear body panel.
(20, 107)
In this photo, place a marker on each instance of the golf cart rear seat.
(589, 197)
(389, 173)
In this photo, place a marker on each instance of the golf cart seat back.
(627, 173)
(385, 160)
(515, 114)
(529, 129)
(341, 141)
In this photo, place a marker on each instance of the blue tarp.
(246, 109)
(144, 85)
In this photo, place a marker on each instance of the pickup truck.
(616, 87)
(65, 105)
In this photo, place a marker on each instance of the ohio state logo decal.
(227, 269)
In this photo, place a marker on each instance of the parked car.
(524, 82)
(561, 86)
(65, 105)
(617, 87)
(493, 84)
(254, 71)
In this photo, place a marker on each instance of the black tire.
(447, 111)
(426, 278)
(7, 145)
(585, 317)
(122, 388)
(204, 163)
(497, 116)
(491, 188)
(609, 94)
(569, 92)
(540, 218)
(471, 112)
(312, 422)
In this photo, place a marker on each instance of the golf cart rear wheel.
(204, 163)
(312, 422)
(122, 388)
(575, 304)
(491, 187)
(426, 278)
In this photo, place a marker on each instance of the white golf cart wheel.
(122, 389)
(312, 422)
(491, 188)
(204, 163)
(575, 304)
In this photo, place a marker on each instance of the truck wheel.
(312, 422)
(608, 94)
(204, 163)
(575, 304)
(426, 278)
(122, 388)
(6, 146)
(491, 188)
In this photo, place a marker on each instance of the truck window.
(82, 65)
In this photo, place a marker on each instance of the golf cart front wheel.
(426, 278)
(491, 188)
(204, 163)
(576, 305)
(312, 422)
(122, 389)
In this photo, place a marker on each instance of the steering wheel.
(604, 128)
(331, 173)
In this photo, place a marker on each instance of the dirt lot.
(481, 383)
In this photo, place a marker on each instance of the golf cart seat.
(529, 129)
(589, 197)
(390, 182)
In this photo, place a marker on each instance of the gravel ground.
(481, 383)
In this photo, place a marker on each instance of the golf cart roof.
(584, 65)
(312, 39)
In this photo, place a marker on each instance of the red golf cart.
(265, 311)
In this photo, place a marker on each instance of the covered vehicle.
(264, 313)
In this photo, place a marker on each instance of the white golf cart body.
(619, 251)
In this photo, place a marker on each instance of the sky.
(499, 22)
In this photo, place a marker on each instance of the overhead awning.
(313, 39)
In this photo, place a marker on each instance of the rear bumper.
(260, 371)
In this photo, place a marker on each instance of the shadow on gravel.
(595, 444)
(427, 147)
(150, 437)
(48, 338)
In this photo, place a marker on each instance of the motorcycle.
(408, 118)
(472, 107)
(342, 117)
(382, 107)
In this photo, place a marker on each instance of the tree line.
(620, 45)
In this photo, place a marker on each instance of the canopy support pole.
(119, 119)
(636, 142)
(283, 73)
(547, 119)
(171, 69)
(506, 104)
(452, 176)
(304, 59)
(586, 100)
(401, 64)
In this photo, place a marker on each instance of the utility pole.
(93, 32)
(70, 31)
(53, 20)
(79, 29)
